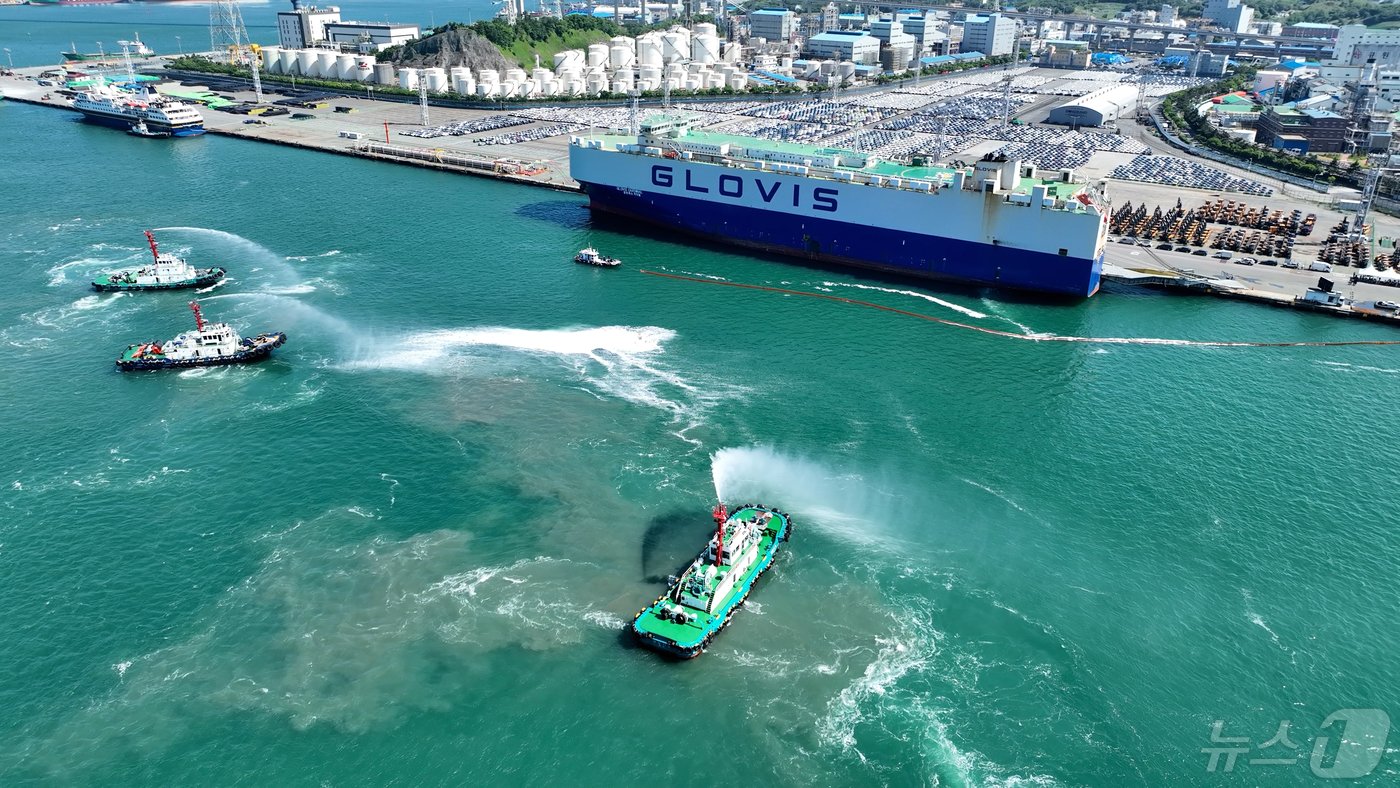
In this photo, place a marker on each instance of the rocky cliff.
(456, 47)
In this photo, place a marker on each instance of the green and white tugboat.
(168, 272)
(705, 597)
(208, 345)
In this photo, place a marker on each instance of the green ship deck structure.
(167, 272)
(704, 598)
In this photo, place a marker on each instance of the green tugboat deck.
(701, 602)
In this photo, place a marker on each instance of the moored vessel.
(106, 105)
(135, 47)
(140, 129)
(167, 272)
(209, 345)
(994, 224)
(591, 256)
(704, 598)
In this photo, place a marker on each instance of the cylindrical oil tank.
(325, 64)
(287, 61)
(462, 82)
(550, 87)
(306, 62)
(649, 50)
(693, 83)
(626, 42)
(364, 68)
(730, 52)
(623, 84)
(649, 83)
(573, 87)
(737, 81)
(704, 48)
(569, 58)
(487, 89)
(675, 71)
(408, 78)
(436, 78)
(489, 75)
(650, 74)
(714, 80)
(345, 67)
(675, 47)
(621, 57)
(846, 69)
(596, 83)
(541, 74)
(828, 68)
(597, 54)
(509, 88)
(516, 75)
(785, 64)
(270, 62)
(384, 74)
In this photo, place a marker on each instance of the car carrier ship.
(992, 224)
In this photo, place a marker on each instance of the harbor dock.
(394, 131)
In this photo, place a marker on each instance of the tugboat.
(590, 256)
(138, 129)
(167, 273)
(209, 345)
(700, 602)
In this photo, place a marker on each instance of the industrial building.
(1099, 108)
(857, 46)
(1229, 14)
(1358, 44)
(1312, 30)
(300, 27)
(370, 36)
(992, 34)
(303, 28)
(772, 24)
(898, 47)
(1284, 125)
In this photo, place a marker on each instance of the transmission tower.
(227, 35)
(423, 97)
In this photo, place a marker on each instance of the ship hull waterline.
(882, 249)
(126, 122)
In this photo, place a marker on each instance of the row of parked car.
(1225, 255)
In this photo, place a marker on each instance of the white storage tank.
(714, 80)
(487, 89)
(489, 75)
(550, 87)
(325, 64)
(738, 81)
(693, 83)
(828, 68)
(620, 57)
(516, 75)
(675, 46)
(649, 50)
(270, 59)
(306, 62)
(597, 55)
(509, 88)
(596, 83)
(384, 73)
(287, 61)
(540, 74)
(364, 68)
(345, 67)
(676, 71)
(704, 48)
(650, 75)
(623, 41)
(436, 78)
(569, 58)
(730, 52)
(573, 87)
(706, 29)
(457, 75)
(649, 83)
(408, 78)
(846, 69)
(785, 64)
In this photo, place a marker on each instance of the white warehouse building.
(1098, 108)
(857, 46)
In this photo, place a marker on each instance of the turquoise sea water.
(404, 549)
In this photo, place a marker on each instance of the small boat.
(139, 129)
(702, 600)
(209, 345)
(167, 273)
(590, 256)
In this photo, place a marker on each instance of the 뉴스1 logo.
(1349, 744)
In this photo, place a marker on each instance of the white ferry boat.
(105, 104)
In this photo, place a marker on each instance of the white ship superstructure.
(105, 104)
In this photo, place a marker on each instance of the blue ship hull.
(121, 122)
(847, 244)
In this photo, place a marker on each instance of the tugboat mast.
(152, 240)
(720, 516)
(198, 318)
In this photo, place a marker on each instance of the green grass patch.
(523, 52)
(1103, 10)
